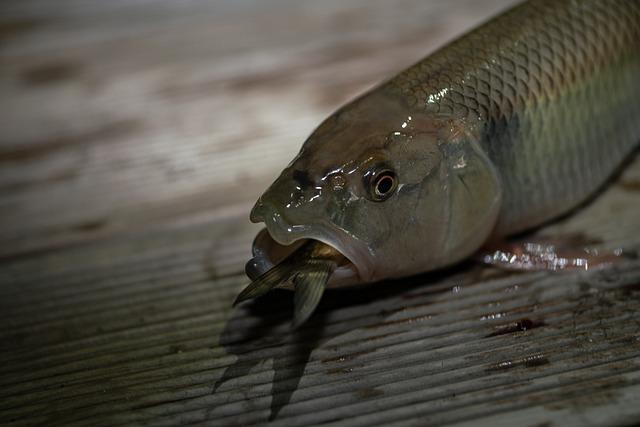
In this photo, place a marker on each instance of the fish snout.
(293, 196)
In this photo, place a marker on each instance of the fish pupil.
(385, 183)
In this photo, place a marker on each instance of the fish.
(506, 128)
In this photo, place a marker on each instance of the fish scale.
(556, 86)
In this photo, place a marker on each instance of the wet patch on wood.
(368, 393)
(40, 149)
(50, 73)
(90, 226)
(531, 361)
(518, 326)
(10, 28)
(629, 185)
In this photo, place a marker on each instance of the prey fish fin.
(309, 287)
(264, 283)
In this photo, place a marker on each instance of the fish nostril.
(300, 198)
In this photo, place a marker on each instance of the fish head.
(396, 192)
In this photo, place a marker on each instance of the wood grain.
(133, 140)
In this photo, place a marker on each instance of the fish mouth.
(280, 238)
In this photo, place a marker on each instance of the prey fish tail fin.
(266, 282)
(310, 284)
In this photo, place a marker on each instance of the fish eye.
(384, 184)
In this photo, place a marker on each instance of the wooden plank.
(117, 275)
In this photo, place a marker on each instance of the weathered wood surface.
(133, 138)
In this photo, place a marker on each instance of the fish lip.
(287, 234)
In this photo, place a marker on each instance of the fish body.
(509, 126)
(556, 88)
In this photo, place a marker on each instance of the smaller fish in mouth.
(307, 270)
